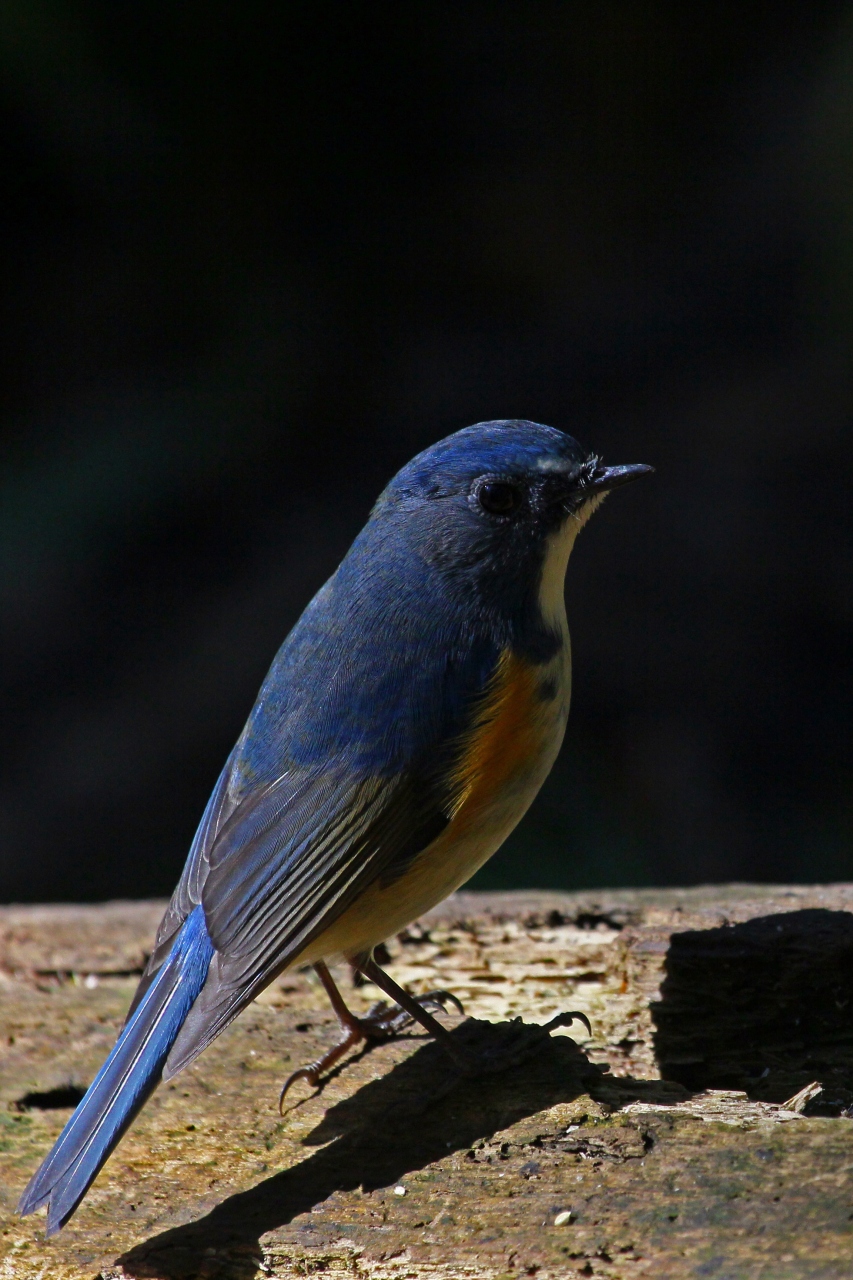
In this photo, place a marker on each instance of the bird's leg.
(413, 1008)
(380, 1023)
(469, 1063)
(351, 1035)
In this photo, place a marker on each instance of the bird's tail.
(125, 1081)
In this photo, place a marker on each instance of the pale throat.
(552, 603)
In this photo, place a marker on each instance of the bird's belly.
(507, 758)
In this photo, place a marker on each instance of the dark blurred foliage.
(255, 256)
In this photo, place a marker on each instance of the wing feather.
(279, 876)
(187, 895)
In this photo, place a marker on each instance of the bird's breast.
(514, 739)
(503, 760)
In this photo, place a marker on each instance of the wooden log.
(702, 1130)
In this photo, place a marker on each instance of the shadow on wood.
(764, 1006)
(417, 1114)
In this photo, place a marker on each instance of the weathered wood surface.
(664, 1136)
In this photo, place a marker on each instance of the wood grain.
(665, 1137)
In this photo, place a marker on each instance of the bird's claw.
(381, 1022)
(311, 1074)
(519, 1044)
(566, 1020)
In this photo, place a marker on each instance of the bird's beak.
(603, 479)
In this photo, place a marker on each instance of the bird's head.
(499, 502)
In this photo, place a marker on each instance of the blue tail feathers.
(125, 1081)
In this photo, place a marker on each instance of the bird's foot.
(382, 1021)
(520, 1041)
(314, 1070)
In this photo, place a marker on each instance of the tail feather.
(125, 1081)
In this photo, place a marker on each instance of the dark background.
(255, 256)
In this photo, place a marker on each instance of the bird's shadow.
(418, 1113)
(765, 1006)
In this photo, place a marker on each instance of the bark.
(665, 1137)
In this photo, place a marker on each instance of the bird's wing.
(187, 894)
(285, 865)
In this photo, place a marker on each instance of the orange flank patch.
(500, 766)
(505, 740)
(501, 762)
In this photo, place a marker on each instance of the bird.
(403, 730)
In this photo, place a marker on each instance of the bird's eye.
(499, 497)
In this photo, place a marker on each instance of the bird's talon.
(382, 1022)
(311, 1074)
(566, 1020)
(440, 998)
(517, 1046)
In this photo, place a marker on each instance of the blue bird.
(404, 728)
